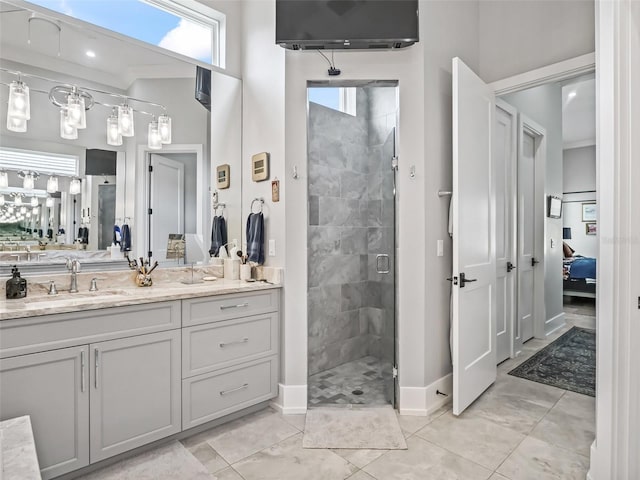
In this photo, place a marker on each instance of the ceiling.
(579, 112)
(117, 62)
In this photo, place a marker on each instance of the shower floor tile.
(335, 386)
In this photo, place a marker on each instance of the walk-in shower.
(351, 242)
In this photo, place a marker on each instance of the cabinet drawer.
(197, 311)
(48, 332)
(213, 395)
(221, 344)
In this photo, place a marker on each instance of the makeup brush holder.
(245, 272)
(143, 280)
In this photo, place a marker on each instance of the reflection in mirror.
(113, 198)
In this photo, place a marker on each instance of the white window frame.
(347, 102)
(46, 163)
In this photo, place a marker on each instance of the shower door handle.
(382, 263)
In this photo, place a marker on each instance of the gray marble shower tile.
(375, 158)
(357, 156)
(380, 240)
(352, 296)
(378, 130)
(382, 101)
(364, 268)
(373, 294)
(353, 185)
(374, 186)
(333, 269)
(323, 240)
(324, 299)
(372, 212)
(324, 181)
(376, 320)
(314, 210)
(387, 184)
(339, 212)
(353, 240)
(348, 324)
(388, 213)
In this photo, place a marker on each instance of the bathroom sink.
(66, 296)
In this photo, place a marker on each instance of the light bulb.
(49, 202)
(67, 131)
(28, 214)
(52, 184)
(153, 140)
(23, 210)
(18, 125)
(19, 104)
(113, 131)
(29, 182)
(76, 114)
(164, 126)
(36, 210)
(34, 202)
(11, 209)
(4, 179)
(17, 201)
(125, 120)
(74, 186)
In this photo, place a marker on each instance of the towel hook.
(260, 201)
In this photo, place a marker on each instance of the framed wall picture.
(589, 212)
(591, 228)
(554, 207)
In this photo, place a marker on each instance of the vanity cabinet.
(135, 392)
(52, 387)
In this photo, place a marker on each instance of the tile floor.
(518, 430)
(336, 385)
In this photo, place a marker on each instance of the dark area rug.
(568, 363)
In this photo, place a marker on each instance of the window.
(342, 99)
(182, 26)
(41, 162)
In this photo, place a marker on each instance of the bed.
(579, 276)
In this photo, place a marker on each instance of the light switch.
(272, 247)
(553, 243)
(440, 248)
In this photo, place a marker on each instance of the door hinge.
(394, 163)
(151, 211)
(151, 168)
(394, 372)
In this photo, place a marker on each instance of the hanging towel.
(255, 238)
(218, 235)
(85, 236)
(80, 234)
(117, 236)
(50, 233)
(125, 243)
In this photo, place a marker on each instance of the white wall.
(544, 106)
(233, 38)
(520, 35)
(579, 169)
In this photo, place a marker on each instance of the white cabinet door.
(135, 392)
(52, 388)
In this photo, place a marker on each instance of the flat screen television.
(346, 24)
(100, 162)
(203, 87)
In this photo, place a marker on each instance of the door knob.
(510, 266)
(464, 279)
(534, 261)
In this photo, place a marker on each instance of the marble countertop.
(19, 459)
(43, 304)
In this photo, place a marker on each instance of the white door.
(167, 203)
(526, 233)
(505, 157)
(474, 246)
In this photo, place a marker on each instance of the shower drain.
(357, 391)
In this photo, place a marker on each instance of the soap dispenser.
(16, 286)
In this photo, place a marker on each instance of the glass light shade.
(4, 179)
(164, 126)
(36, 210)
(34, 202)
(17, 201)
(11, 209)
(76, 113)
(153, 140)
(67, 131)
(113, 131)
(52, 184)
(15, 124)
(1, 200)
(49, 202)
(125, 120)
(23, 210)
(28, 182)
(74, 186)
(28, 214)
(19, 105)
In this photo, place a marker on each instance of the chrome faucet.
(73, 265)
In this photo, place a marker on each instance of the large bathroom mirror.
(101, 187)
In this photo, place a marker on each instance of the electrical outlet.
(272, 247)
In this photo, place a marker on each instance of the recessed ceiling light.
(91, 54)
(572, 94)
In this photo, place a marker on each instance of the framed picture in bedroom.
(589, 212)
(554, 207)
(591, 228)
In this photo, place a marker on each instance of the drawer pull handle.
(82, 365)
(227, 307)
(242, 387)
(237, 342)
(96, 355)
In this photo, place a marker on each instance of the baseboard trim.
(554, 324)
(291, 399)
(423, 401)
